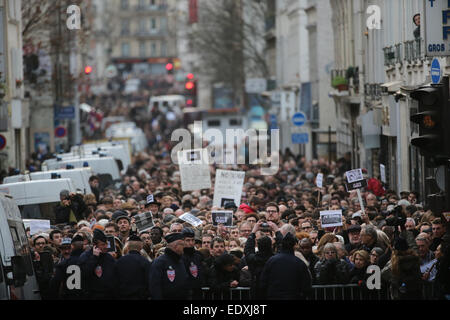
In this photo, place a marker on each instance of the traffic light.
(169, 67)
(88, 70)
(191, 90)
(433, 120)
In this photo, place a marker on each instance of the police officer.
(193, 261)
(168, 277)
(58, 283)
(132, 272)
(97, 270)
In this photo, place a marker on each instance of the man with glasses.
(307, 226)
(39, 242)
(245, 229)
(273, 213)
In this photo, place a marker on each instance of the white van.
(37, 199)
(17, 277)
(176, 103)
(119, 152)
(80, 177)
(106, 168)
(129, 130)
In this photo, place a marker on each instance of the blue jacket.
(97, 273)
(285, 277)
(132, 273)
(168, 278)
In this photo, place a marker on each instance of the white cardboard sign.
(191, 219)
(194, 169)
(319, 180)
(331, 218)
(383, 173)
(354, 175)
(36, 226)
(222, 217)
(228, 187)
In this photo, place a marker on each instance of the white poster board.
(228, 187)
(144, 221)
(191, 219)
(194, 169)
(354, 175)
(36, 226)
(383, 173)
(319, 180)
(331, 218)
(222, 217)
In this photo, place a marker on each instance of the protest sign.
(354, 175)
(111, 243)
(383, 173)
(144, 221)
(222, 217)
(36, 226)
(319, 180)
(194, 169)
(228, 187)
(331, 218)
(191, 219)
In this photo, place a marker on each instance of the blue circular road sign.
(299, 119)
(60, 132)
(436, 71)
(2, 142)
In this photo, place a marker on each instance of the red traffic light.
(169, 67)
(190, 76)
(190, 85)
(88, 70)
(189, 102)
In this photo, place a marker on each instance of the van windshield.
(39, 211)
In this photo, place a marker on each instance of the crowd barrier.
(349, 292)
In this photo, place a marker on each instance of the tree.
(229, 39)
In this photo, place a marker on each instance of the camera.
(399, 218)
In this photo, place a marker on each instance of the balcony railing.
(372, 91)
(407, 51)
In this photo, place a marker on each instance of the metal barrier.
(323, 293)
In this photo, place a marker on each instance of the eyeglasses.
(306, 228)
(374, 255)
(40, 243)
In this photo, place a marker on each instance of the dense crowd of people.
(276, 246)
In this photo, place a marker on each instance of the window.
(142, 49)
(236, 122)
(142, 4)
(125, 49)
(214, 123)
(153, 50)
(124, 4)
(153, 25)
(142, 26)
(125, 27)
(163, 49)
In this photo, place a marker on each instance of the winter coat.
(77, 206)
(358, 275)
(220, 279)
(285, 277)
(407, 284)
(98, 278)
(256, 263)
(331, 271)
(168, 277)
(195, 268)
(132, 272)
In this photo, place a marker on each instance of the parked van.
(37, 199)
(80, 177)
(164, 104)
(119, 152)
(106, 168)
(129, 130)
(17, 277)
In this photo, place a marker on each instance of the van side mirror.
(19, 271)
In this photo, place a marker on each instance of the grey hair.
(411, 220)
(370, 230)
(174, 224)
(329, 246)
(287, 228)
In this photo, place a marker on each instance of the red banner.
(193, 11)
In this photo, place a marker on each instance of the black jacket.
(79, 208)
(357, 275)
(220, 280)
(132, 273)
(407, 284)
(256, 263)
(97, 273)
(332, 271)
(168, 278)
(58, 283)
(312, 259)
(196, 270)
(285, 277)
